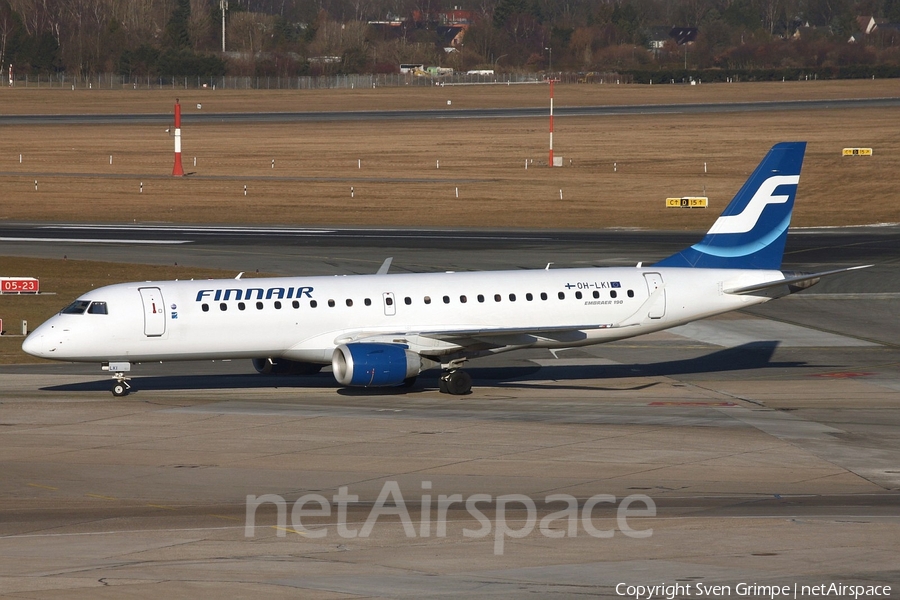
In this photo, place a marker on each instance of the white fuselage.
(434, 314)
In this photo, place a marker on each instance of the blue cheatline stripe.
(747, 248)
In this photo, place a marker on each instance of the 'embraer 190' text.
(278, 293)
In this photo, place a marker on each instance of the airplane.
(385, 329)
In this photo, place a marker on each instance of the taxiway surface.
(767, 440)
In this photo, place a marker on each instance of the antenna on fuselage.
(239, 275)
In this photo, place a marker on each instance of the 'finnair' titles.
(385, 329)
(237, 293)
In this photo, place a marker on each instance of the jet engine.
(282, 366)
(373, 365)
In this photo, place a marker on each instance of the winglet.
(752, 230)
(385, 266)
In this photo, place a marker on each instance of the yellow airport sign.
(688, 202)
(857, 152)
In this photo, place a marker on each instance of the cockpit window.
(76, 308)
(97, 308)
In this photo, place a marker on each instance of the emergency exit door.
(154, 312)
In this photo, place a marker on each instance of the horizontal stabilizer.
(796, 280)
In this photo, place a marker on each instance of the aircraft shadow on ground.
(752, 356)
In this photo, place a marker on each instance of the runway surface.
(767, 440)
(450, 113)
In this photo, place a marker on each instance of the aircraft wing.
(439, 341)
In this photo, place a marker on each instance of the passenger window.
(241, 306)
(97, 308)
(543, 295)
(331, 303)
(631, 293)
(259, 306)
(387, 300)
(76, 308)
(313, 304)
(446, 299)
(204, 307)
(481, 297)
(295, 304)
(512, 297)
(613, 293)
(278, 305)
(463, 299)
(529, 297)
(349, 302)
(596, 294)
(427, 299)
(496, 297)
(578, 295)
(367, 302)
(407, 300)
(562, 295)
(223, 307)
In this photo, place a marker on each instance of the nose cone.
(35, 345)
(41, 342)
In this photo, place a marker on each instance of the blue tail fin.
(751, 232)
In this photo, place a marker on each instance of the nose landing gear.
(121, 387)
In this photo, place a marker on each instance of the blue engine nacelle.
(373, 365)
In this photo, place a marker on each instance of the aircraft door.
(154, 312)
(390, 305)
(658, 308)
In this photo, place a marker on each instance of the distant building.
(683, 35)
(657, 36)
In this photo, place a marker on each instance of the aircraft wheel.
(119, 389)
(458, 383)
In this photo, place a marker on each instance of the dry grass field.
(399, 184)
(481, 160)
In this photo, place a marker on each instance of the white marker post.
(550, 163)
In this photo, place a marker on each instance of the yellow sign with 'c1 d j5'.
(857, 152)
(688, 202)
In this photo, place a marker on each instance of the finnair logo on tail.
(747, 218)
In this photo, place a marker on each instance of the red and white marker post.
(177, 170)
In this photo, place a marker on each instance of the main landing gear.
(454, 380)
